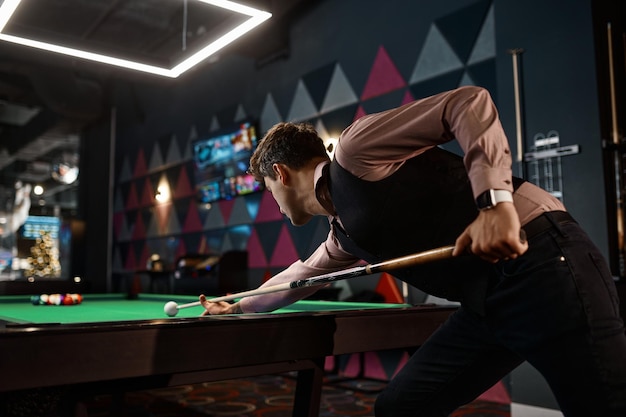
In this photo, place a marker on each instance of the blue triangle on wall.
(302, 236)
(268, 233)
(302, 106)
(270, 115)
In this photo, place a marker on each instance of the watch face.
(490, 198)
(484, 201)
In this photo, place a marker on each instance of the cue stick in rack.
(617, 156)
(445, 252)
(519, 120)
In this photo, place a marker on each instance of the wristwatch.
(490, 198)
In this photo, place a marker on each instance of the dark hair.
(292, 144)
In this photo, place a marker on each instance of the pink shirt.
(376, 145)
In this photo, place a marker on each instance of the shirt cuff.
(491, 179)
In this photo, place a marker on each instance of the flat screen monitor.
(34, 226)
(221, 161)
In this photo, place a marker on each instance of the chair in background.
(211, 274)
(232, 272)
(195, 273)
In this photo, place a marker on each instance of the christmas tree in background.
(44, 259)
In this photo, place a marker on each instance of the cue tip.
(171, 308)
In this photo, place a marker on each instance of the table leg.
(309, 390)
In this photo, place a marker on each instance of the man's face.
(288, 202)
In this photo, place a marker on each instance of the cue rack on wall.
(610, 40)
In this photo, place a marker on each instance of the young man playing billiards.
(391, 191)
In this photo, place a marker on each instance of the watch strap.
(491, 198)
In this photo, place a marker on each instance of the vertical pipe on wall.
(617, 154)
(109, 254)
(519, 129)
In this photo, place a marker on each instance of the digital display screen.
(221, 161)
(35, 225)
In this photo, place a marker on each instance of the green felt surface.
(117, 307)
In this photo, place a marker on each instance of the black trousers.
(555, 307)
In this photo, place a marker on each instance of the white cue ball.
(171, 308)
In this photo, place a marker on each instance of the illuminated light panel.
(257, 17)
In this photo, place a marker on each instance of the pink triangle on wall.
(256, 256)
(147, 197)
(192, 220)
(131, 199)
(143, 260)
(183, 187)
(373, 367)
(284, 252)
(268, 209)
(131, 262)
(226, 208)
(181, 249)
(329, 363)
(384, 76)
(408, 98)
(360, 112)
(401, 363)
(140, 164)
(118, 220)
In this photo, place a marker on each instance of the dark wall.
(560, 94)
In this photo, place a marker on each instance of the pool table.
(112, 343)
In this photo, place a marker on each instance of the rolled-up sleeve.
(328, 257)
(376, 145)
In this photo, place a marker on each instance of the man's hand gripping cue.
(494, 235)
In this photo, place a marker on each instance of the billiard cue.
(431, 255)
(519, 122)
(617, 158)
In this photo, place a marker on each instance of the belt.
(546, 221)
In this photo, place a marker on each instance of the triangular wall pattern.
(302, 107)
(451, 55)
(384, 76)
(437, 57)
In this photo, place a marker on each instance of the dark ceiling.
(47, 99)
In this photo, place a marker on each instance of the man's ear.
(282, 173)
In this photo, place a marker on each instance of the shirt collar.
(321, 186)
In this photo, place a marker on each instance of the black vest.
(426, 204)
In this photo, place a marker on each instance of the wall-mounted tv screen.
(221, 161)
(34, 226)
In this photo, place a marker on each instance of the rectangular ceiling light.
(256, 17)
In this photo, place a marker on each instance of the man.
(390, 191)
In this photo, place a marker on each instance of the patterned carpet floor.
(267, 396)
